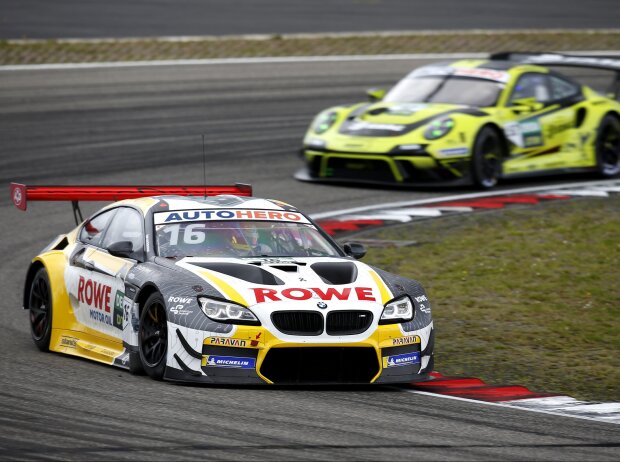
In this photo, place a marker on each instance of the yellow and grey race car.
(471, 121)
(227, 288)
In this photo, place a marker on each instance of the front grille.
(320, 365)
(348, 322)
(298, 322)
(359, 168)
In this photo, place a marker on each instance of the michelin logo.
(229, 361)
(404, 359)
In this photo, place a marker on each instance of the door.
(543, 123)
(96, 278)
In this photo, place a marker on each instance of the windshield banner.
(179, 216)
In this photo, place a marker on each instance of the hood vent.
(249, 273)
(336, 273)
(287, 268)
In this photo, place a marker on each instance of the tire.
(607, 147)
(487, 157)
(135, 363)
(153, 336)
(40, 310)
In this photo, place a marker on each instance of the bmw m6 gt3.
(227, 288)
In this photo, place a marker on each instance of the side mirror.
(375, 94)
(527, 105)
(123, 249)
(354, 249)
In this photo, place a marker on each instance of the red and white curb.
(347, 221)
(350, 221)
(516, 396)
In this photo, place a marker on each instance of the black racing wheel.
(607, 147)
(153, 336)
(487, 157)
(40, 307)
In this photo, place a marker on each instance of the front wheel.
(153, 336)
(40, 309)
(608, 147)
(487, 157)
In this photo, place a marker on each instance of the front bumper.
(383, 169)
(251, 355)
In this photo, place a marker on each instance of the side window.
(126, 226)
(561, 88)
(531, 86)
(93, 229)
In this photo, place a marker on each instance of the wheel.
(607, 147)
(153, 336)
(40, 307)
(486, 160)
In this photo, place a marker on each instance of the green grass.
(527, 296)
(76, 51)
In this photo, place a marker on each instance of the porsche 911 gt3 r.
(227, 288)
(471, 121)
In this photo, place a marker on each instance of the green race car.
(471, 122)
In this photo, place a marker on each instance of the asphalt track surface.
(147, 18)
(143, 125)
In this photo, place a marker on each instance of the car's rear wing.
(22, 194)
(610, 63)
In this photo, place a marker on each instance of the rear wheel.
(40, 308)
(608, 147)
(153, 336)
(486, 161)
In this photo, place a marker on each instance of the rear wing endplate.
(22, 194)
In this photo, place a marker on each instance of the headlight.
(223, 311)
(398, 310)
(438, 128)
(323, 122)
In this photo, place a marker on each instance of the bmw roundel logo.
(322, 305)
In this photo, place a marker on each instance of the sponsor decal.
(255, 342)
(404, 359)
(180, 310)
(17, 197)
(94, 294)
(489, 74)
(119, 299)
(524, 134)
(223, 215)
(454, 151)
(412, 339)
(358, 125)
(229, 362)
(181, 300)
(68, 342)
(423, 304)
(299, 294)
(226, 341)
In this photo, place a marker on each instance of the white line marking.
(504, 405)
(582, 192)
(417, 212)
(379, 216)
(531, 189)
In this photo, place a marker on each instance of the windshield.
(241, 239)
(446, 89)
